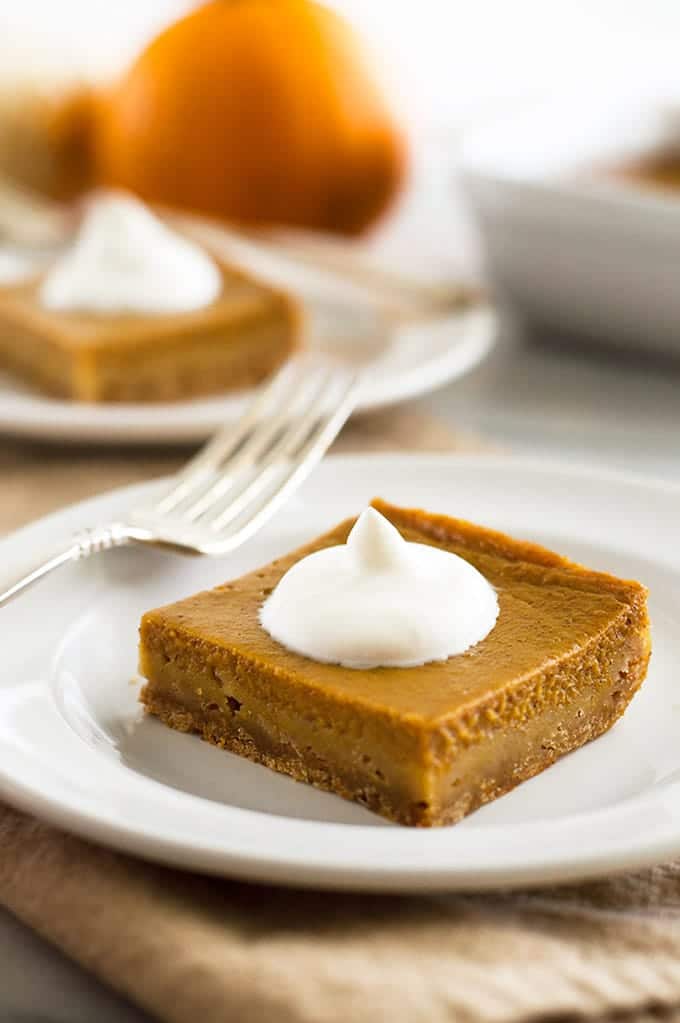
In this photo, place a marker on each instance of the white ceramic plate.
(413, 361)
(75, 749)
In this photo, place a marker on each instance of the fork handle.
(82, 545)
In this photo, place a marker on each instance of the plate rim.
(278, 870)
(531, 463)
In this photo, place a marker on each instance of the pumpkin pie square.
(421, 746)
(231, 344)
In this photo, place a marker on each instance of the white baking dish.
(571, 247)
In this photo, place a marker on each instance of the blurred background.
(449, 62)
(453, 69)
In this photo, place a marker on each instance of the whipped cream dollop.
(125, 260)
(380, 601)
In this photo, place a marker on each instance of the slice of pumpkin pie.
(422, 745)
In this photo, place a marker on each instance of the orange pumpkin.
(259, 111)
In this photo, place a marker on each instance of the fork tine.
(222, 446)
(266, 434)
(229, 439)
(295, 425)
(308, 448)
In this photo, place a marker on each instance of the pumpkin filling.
(234, 343)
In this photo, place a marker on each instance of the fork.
(227, 492)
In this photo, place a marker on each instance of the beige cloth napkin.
(190, 949)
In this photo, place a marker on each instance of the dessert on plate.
(134, 311)
(418, 664)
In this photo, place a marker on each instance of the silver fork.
(239, 479)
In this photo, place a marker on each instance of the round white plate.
(75, 749)
(412, 361)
